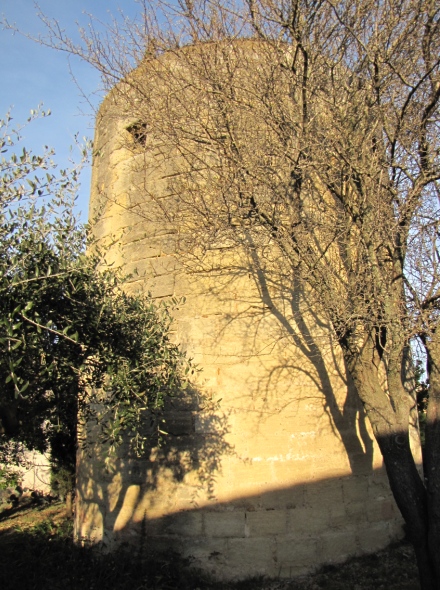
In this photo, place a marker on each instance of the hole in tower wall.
(138, 132)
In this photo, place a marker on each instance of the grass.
(37, 553)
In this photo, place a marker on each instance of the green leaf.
(25, 387)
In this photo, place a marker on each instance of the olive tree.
(310, 129)
(73, 344)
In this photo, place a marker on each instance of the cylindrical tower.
(268, 466)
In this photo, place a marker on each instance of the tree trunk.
(391, 430)
(69, 510)
(411, 498)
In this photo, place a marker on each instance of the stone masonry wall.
(269, 466)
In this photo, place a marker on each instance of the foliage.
(71, 339)
(14, 463)
(422, 393)
(314, 129)
(10, 477)
(62, 480)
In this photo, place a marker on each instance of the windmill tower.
(268, 466)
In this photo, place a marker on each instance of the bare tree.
(309, 129)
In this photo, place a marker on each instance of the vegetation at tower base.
(71, 340)
(314, 144)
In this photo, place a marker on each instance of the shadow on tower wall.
(283, 475)
(166, 501)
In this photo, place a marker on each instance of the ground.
(37, 553)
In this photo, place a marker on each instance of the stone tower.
(268, 466)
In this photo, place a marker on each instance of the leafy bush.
(71, 340)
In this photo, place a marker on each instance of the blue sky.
(32, 74)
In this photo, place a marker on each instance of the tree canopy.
(311, 129)
(73, 343)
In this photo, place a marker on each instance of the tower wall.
(269, 466)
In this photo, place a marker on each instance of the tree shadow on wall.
(295, 316)
(176, 472)
(295, 328)
(282, 532)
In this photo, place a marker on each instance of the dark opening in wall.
(138, 131)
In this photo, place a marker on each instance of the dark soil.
(37, 553)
